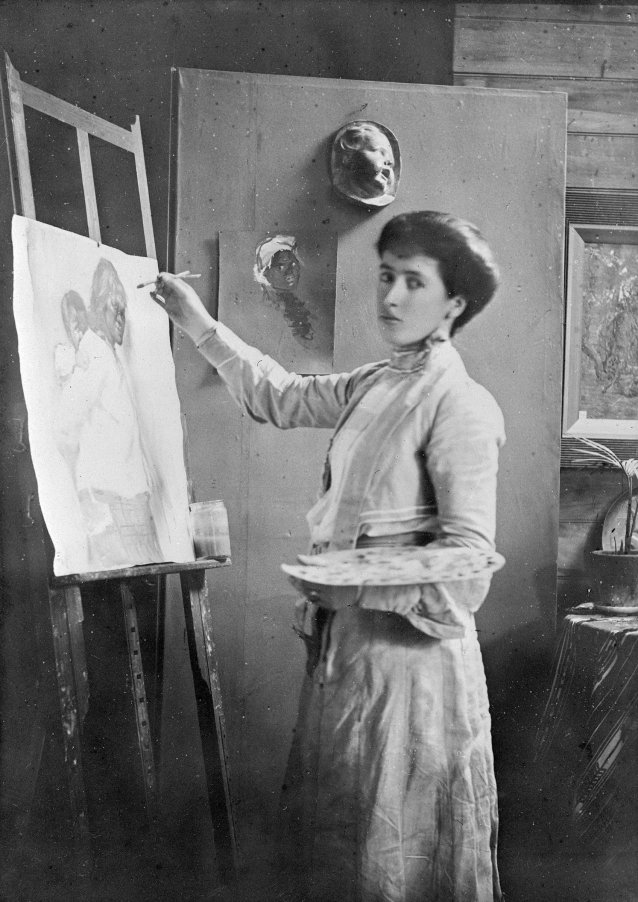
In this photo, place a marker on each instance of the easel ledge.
(74, 579)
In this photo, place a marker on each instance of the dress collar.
(409, 360)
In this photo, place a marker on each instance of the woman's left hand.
(333, 598)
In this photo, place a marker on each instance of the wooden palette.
(393, 566)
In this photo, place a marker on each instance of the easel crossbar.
(77, 118)
(23, 95)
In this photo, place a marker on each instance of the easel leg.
(203, 657)
(61, 601)
(158, 670)
(75, 619)
(140, 703)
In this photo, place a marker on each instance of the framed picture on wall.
(601, 338)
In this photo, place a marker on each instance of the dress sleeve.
(461, 460)
(269, 393)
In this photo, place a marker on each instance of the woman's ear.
(457, 306)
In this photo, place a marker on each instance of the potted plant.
(615, 571)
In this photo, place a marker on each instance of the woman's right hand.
(183, 305)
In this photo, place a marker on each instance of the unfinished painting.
(104, 418)
(277, 291)
(609, 378)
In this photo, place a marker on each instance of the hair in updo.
(466, 264)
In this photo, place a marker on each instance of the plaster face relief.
(104, 419)
(365, 163)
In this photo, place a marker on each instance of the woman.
(390, 793)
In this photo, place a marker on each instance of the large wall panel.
(251, 154)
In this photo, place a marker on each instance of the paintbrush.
(187, 274)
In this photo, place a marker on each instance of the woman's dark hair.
(466, 263)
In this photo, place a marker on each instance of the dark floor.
(540, 857)
(539, 862)
(527, 877)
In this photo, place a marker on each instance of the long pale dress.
(390, 792)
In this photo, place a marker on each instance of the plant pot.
(615, 582)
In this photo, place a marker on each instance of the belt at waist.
(399, 538)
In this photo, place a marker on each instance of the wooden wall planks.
(581, 50)
(602, 161)
(589, 52)
(550, 12)
(597, 105)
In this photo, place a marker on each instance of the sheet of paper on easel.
(104, 417)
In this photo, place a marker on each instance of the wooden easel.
(65, 593)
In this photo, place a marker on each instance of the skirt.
(390, 793)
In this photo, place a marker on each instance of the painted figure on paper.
(98, 431)
(76, 322)
(365, 164)
(277, 269)
(68, 358)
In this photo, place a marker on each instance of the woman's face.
(412, 301)
(283, 272)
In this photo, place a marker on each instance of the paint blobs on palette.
(393, 566)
